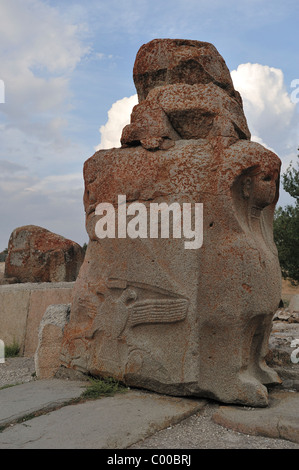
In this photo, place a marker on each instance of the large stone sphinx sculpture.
(149, 311)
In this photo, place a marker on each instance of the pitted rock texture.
(146, 310)
(38, 255)
(170, 61)
(185, 91)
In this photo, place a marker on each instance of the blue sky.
(66, 64)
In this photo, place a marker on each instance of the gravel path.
(200, 432)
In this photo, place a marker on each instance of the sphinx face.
(264, 188)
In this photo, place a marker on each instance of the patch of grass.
(100, 387)
(12, 350)
(9, 385)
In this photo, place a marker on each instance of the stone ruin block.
(148, 310)
(50, 334)
(38, 255)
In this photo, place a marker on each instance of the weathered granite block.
(147, 310)
(37, 255)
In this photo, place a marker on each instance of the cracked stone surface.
(279, 420)
(200, 431)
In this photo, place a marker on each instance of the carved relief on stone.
(128, 311)
(148, 311)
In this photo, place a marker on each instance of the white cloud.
(118, 117)
(268, 107)
(101, 56)
(54, 202)
(41, 179)
(35, 32)
(9, 167)
(270, 112)
(57, 183)
(39, 50)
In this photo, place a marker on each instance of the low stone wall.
(22, 307)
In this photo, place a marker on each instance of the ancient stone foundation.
(148, 311)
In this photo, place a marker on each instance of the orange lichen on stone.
(38, 255)
(146, 310)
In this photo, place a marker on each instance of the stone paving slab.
(131, 419)
(108, 423)
(279, 420)
(24, 399)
